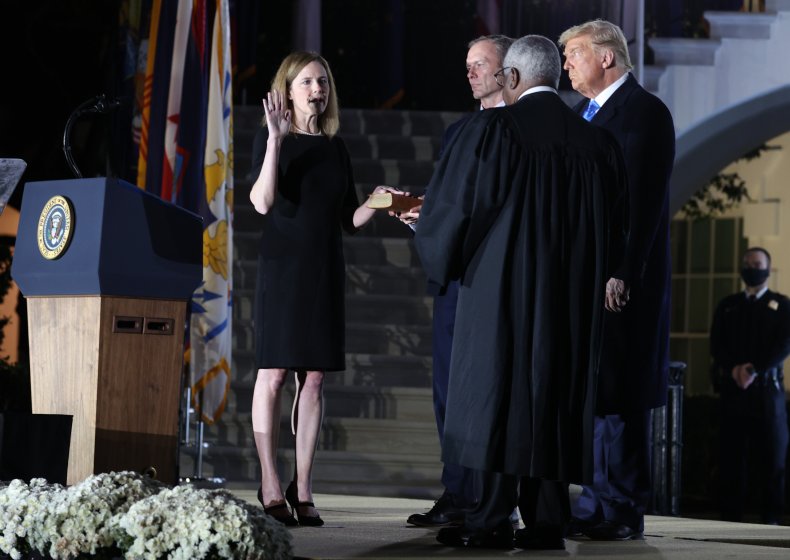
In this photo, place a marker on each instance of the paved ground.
(365, 527)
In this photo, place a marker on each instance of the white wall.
(742, 68)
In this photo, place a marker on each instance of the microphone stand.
(98, 104)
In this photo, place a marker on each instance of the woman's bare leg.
(266, 399)
(308, 415)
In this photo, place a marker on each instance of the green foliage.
(723, 192)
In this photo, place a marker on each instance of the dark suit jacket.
(634, 363)
(751, 332)
(450, 132)
(521, 210)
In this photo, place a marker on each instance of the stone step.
(396, 147)
(403, 310)
(392, 146)
(385, 279)
(392, 339)
(386, 168)
(380, 436)
(363, 474)
(392, 172)
(360, 308)
(360, 278)
(247, 119)
(398, 252)
(361, 338)
(739, 25)
(379, 370)
(242, 185)
(356, 435)
(406, 123)
(340, 401)
(364, 146)
(685, 52)
(357, 249)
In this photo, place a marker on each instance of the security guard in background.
(749, 341)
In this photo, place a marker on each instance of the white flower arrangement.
(183, 523)
(20, 504)
(129, 515)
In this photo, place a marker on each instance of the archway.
(706, 148)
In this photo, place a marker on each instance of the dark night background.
(60, 53)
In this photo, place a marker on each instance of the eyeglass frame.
(501, 72)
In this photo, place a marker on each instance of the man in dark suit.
(522, 210)
(749, 342)
(634, 361)
(483, 60)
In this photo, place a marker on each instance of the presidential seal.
(54, 227)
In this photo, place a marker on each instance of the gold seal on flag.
(54, 227)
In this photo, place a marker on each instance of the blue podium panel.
(105, 236)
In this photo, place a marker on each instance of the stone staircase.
(379, 434)
(746, 55)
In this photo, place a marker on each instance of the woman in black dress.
(305, 191)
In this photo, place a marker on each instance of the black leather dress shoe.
(540, 538)
(607, 531)
(444, 513)
(499, 537)
(576, 527)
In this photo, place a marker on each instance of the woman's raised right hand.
(278, 116)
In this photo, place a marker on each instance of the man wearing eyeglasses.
(634, 361)
(483, 59)
(522, 211)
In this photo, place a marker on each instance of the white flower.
(136, 515)
(18, 503)
(192, 523)
(65, 523)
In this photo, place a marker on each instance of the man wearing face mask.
(749, 341)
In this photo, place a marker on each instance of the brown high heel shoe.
(292, 496)
(288, 521)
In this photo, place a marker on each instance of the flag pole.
(199, 459)
(187, 414)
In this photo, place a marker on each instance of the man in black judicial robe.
(524, 209)
(484, 58)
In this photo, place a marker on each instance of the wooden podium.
(107, 269)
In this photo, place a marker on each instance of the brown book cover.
(392, 202)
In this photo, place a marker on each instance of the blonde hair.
(329, 120)
(603, 35)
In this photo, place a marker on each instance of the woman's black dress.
(300, 293)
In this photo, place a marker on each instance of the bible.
(392, 202)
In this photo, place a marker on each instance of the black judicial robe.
(523, 209)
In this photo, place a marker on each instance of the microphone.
(100, 104)
(103, 104)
